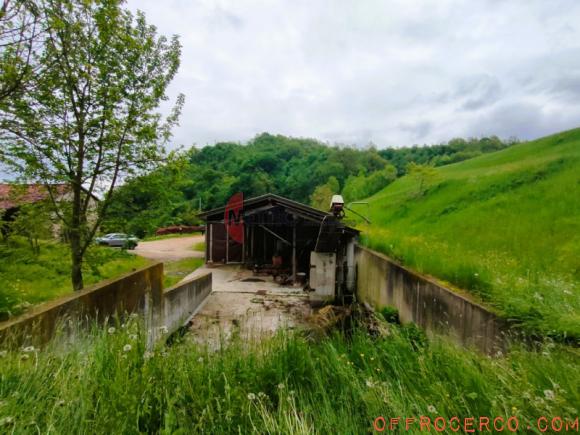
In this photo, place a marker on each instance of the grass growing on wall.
(27, 279)
(504, 226)
(109, 383)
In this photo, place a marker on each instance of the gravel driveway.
(171, 249)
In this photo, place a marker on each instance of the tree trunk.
(76, 270)
(75, 234)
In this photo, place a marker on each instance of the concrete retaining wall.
(138, 292)
(419, 299)
(182, 301)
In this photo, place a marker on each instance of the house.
(276, 234)
(13, 196)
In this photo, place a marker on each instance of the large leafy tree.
(21, 33)
(90, 116)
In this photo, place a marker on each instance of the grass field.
(109, 383)
(175, 271)
(170, 236)
(504, 226)
(27, 279)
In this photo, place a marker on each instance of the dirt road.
(172, 249)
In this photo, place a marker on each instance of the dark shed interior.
(278, 234)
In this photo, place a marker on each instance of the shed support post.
(210, 242)
(294, 253)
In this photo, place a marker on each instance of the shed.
(284, 237)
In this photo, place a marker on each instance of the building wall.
(383, 282)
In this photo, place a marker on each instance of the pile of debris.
(330, 317)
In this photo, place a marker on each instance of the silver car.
(118, 239)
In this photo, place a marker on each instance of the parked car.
(119, 240)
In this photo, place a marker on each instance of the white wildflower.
(549, 394)
(127, 348)
(3, 353)
(280, 386)
(251, 396)
(370, 383)
(111, 330)
(261, 394)
(432, 409)
(28, 349)
(200, 360)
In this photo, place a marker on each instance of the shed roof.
(270, 200)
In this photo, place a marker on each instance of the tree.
(90, 116)
(33, 221)
(322, 195)
(20, 37)
(424, 175)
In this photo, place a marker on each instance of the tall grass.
(109, 383)
(27, 279)
(504, 226)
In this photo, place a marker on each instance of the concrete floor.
(251, 308)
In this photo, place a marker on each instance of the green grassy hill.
(504, 226)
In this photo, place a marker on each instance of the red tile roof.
(13, 195)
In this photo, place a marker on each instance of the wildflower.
(476, 274)
(251, 396)
(3, 353)
(549, 394)
(133, 315)
(432, 409)
(514, 409)
(262, 395)
(24, 356)
(28, 349)
(111, 330)
(567, 292)
(372, 358)
(362, 355)
(369, 383)
(127, 348)
(291, 392)
(200, 360)
(280, 386)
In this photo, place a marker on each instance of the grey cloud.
(392, 72)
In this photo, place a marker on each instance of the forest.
(305, 170)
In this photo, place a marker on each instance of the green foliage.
(425, 177)
(34, 222)
(90, 113)
(109, 383)
(27, 278)
(322, 195)
(362, 186)
(456, 150)
(504, 226)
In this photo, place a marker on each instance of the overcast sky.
(394, 72)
